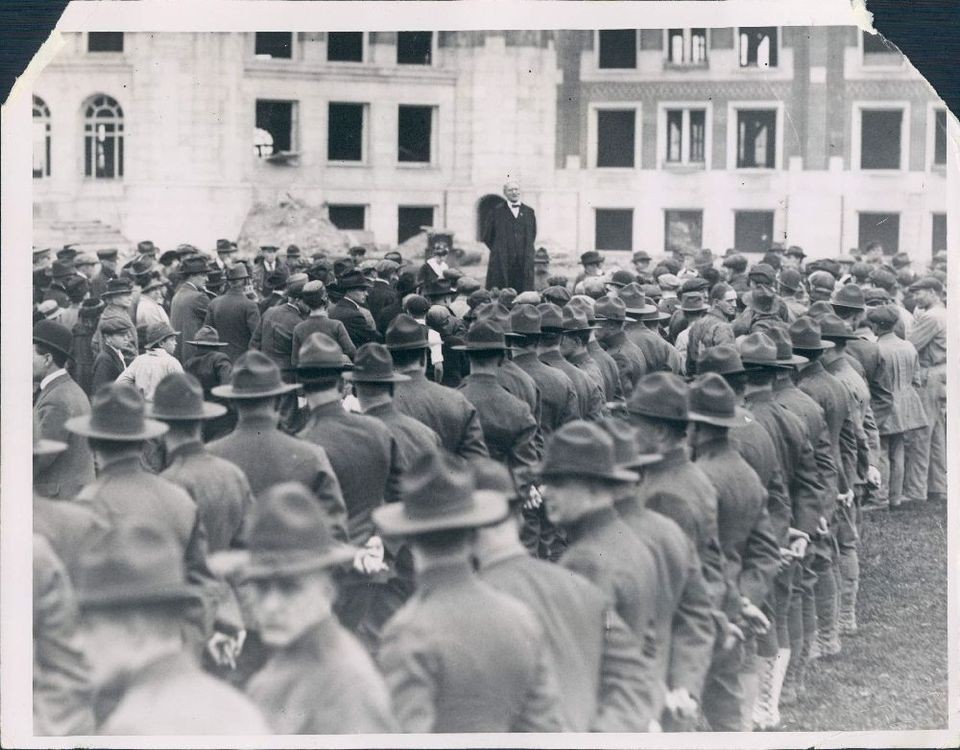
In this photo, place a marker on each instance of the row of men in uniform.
(486, 420)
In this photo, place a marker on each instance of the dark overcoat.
(510, 241)
(61, 475)
(235, 316)
(188, 311)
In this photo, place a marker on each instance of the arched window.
(103, 138)
(41, 138)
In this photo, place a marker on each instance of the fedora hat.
(660, 395)
(610, 308)
(693, 302)
(635, 301)
(551, 318)
(116, 413)
(146, 247)
(626, 454)
(723, 359)
(320, 352)
(62, 269)
(790, 279)
(582, 449)
(406, 333)
(713, 402)
(92, 307)
(54, 335)
(224, 247)
(525, 320)
(109, 253)
(574, 319)
(834, 328)
(295, 283)
(207, 336)
(354, 279)
(291, 534)
(438, 493)
(117, 286)
(193, 265)
(760, 350)
(238, 271)
(275, 280)
(157, 332)
(591, 256)
(138, 562)
(254, 375)
(156, 281)
(805, 334)
(484, 335)
(179, 397)
(849, 295)
(373, 364)
(785, 354)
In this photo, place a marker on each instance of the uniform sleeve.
(407, 670)
(761, 558)
(253, 317)
(626, 681)
(524, 453)
(392, 491)
(829, 471)
(571, 406)
(849, 447)
(256, 340)
(200, 575)
(872, 435)
(471, 439)
(693, 631)
(806, 490)
(540, 711)
(326, 486)
(596, 407)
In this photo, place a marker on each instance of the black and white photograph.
(397, 383)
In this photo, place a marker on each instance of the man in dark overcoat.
(509, 232)
(233, 314)
(188, 310)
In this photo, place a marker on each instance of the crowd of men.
(329, 495)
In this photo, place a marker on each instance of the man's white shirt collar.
(51, 377)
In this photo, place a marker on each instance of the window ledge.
(938, 168)
(755, 170)
(348, 164)
(899, 172)
(282, 159)
(757, 68)
(678, 168)
(416, 165)
(700, 66)
(615, 170)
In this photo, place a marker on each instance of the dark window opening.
(347, 216)
(616, 138)
(345, 132)
(752, 231)
(411, 220)
(414, 47)
(940, 137)
(758, 47)
(878, 51)
(105, 41)
(614, 229)
(345, 46)
(103, 138)
(275, 118)
(939, 238)
(880, 138)
(683, 230)
(41, 138)
(274, 44)
(618, 48)
(882, 228)
(413, 133)
(757, 138)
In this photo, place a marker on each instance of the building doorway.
(485, 207)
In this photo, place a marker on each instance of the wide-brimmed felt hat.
(238, 271)
(551, 318)
(583, 450)
(694, 302)
(54, 335)
(138, 562)
(626, 454)
(760, 350)
(373, 364)
(641, 255)
(723, 359)
(207, 336)
(785, 353)
(660, 395)
(406, 333)
(849, 295)
(790, 279)
(156, 282)
(116, 287)
(525, 320)
(168, 257)
(590, 257)
(587, 304)
(225, 247)
(92, 307)
(352, 279)
(291, 535)
(320, 352)
(146, 247)
(714, 402)
(438, 493)
(834, 328)
(635, 300)
(575, 319)
(805, 335)
(621, 278)
(610, 308)
(254, 375)
(498, 313)
(61, 269)
(179, 397)
(157, 332)
(117, 413)
(931, 283)
(193, 265)
(484, 335)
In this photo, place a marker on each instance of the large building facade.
(626, 139)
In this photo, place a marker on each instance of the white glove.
(369, 558)
(873, 477)
(224, 649)
(844, 497)
(680, 704)
(534, 498)
(798, 543)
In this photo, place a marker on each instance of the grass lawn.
(893, 673)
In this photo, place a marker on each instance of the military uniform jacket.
(598, 659)
(61, 475)
(364, 457)
(799, 404)
(710, 329)
(586, 364)
(236, 317)
(413, 438)
(445, 410)
(360, 329)
(658, 353)
(751, 550)
(106, 367)
(867, 353)
(589, 392)
(321, 324)
(861, 416)
(558, 397)
(188, 311)
(116, 313)
(70, 528)
(461, 656)
(173, 696)
(509, 429)
(274, 336)
(685, 623)
(324, 683)
(901, 374)
(609, 371)
(628, 358)
(268, 457)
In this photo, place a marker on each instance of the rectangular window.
(414, 47)
(686, 136)
(880, 138)
(614, 229)
(345, 46)
(687, 46)
(274, 44)
(758, 47)
(275, 118)
(939, 238)
(616, 137)
(682, 230)
(752, 231)
(41, 148)
(878, 51)
(618, 48)
(882, 228)
(940, 137)
(756, 138)
(345, 216)
(105, 41)
(345, 132)
(414, 134)
(411, 220)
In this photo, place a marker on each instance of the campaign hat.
(207, 336)
(484, 335)
(805, 335)
(551, 317)
(714, 402)
(582, 449)
(373, 364)
(574, 319)
(525, 320)
(320, 352)
(723, 359)
(179, 397)
(834, 328)
(238, 271)
(760, 350)
(117, 412)
(254, 375)
(626, 454)
(660, 395)
(406, 333)
(850, 296)
(635, 301)
(693, 302)
(611, 308)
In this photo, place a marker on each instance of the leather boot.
(848, 606)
